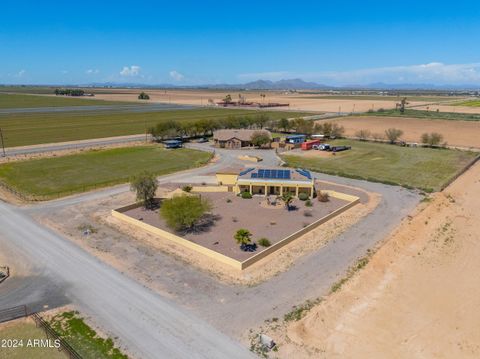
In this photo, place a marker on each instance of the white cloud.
(434, 72)
(21, 73)
(92, 71)
(133, 70)
(177, 76)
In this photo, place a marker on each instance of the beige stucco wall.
(353, 200)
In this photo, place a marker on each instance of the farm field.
(382, 98)
(424, 168)
(297, 101)
(58, 176)
(458, 133)
(25, 329)
(32, 101)
(471, 103)
(39, 128)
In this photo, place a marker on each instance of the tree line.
(205, 127)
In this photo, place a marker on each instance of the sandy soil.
(450, 108)
(417, 298)
(456, 133)
(126, 248)
(297, 101)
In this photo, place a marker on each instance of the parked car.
(324, 147)
(339, 148)
(202, 140)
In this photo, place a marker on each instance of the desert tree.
(287, 199)
(363, 135)
(184, 212)
(144, 185)
(243, 236)
(260, 138)
(432, 139)
(393, 134)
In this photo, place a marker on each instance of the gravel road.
(94, 286)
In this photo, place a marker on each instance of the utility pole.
(3, 143)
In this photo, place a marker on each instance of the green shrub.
(187, 188)
(308, 203)
(302, 196)
(246, 195)
(264, 242)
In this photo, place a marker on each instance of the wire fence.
(22, 311)
(51, 334)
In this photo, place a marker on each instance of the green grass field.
(25, 330)
(470, 103)
(32, 101)
(424, 168)
(30, 129)
(86, 342)
(59, 176)
(429, 115)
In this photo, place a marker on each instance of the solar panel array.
(272, 174)
(244, 172)
(304, 173)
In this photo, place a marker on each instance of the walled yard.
(231, 213)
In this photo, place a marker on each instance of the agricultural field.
(428, 114)
(38, 128)
(470, 103)
(424, 168)
(34, 101)
(415, 98)
(459, 133)
(59, 176)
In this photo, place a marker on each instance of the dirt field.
(450, 108)
(297, 101)
(417, 298)
(456, 133)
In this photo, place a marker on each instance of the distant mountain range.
(294, 84)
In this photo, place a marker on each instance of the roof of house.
(276, 174)
(242, 135)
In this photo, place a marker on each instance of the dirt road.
(417, 298)
(149, 325)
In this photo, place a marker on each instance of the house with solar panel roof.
(268, 181)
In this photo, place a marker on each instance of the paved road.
(96, 108)
(151, 326)
(54, 147)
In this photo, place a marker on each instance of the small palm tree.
(287, 198)
(243, 236)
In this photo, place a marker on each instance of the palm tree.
(243, 236)
(287, 198)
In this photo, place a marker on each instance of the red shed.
(308, 144)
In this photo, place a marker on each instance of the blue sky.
(197, 42)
